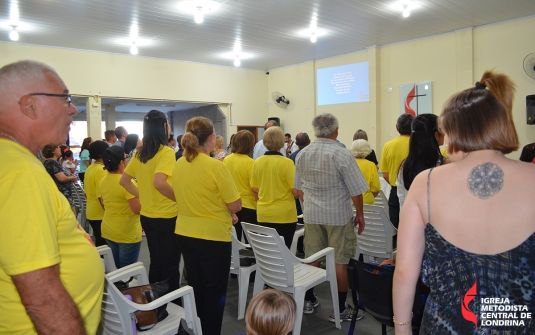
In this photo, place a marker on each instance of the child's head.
(66, 153)
(270, 312)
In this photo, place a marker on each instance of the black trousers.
(393, 206)
(163, 249)
(208, 267)
(81, 176)
(286, 230)
(245, 215)
(97, 232)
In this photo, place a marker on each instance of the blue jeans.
(124, 253)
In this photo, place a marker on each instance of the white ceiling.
(267, 30)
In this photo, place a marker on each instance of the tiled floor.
(314, 324)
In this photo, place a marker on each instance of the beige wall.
(297, 84)
(110, 75)
(503, 47)
(420, 60)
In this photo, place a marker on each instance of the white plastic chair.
(243, 273)
(116, 309)
(382, 201)
(81, 203)
(300, 231)
(107, 258)
(278, 268)
(378, 236)
(109, 263)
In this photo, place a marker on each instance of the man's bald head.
(21, 78)
(270, 123)
(302, 140)
(35, 106)
(23, 72)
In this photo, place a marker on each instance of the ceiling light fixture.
(14, 34)
(313, 30)
(406, 11)
(133, 49)
(199, 17)
(237, 61)
(313, 37)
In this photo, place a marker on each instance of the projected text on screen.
(343, 84)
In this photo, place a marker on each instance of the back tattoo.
(485, 180)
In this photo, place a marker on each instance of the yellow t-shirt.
(202, 190)
(119, 224)
(241, 168)
(369, 171)
(273, 175)
(394, 152)
(444, 152)
(93, 175)
(153, 203)
(38, 230)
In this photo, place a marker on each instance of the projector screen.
(343, 84)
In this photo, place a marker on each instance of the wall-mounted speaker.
(530, 109)
(276, 119)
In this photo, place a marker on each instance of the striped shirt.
(329, 176)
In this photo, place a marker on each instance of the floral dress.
(53, 167)
(477, 294)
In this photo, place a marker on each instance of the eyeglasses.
(66, 96)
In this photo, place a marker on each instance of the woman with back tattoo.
(467, 228)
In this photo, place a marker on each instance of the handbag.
(145, 294)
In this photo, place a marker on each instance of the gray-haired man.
(328, 180)
(51, 275)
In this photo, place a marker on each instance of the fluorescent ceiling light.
(232, 55)
(199, 17)
(198, 8)
(14, 34)
(127, 41)
(405, 7)
(406, 11)
(133, 49)
(318, 32)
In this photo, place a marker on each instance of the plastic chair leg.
(243, 285)
(299, 297)
(334, 295)
(258, 284)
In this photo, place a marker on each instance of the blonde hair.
(198, 129)
(270, 312)
(273, 138)
(218, 142)
(360, 148)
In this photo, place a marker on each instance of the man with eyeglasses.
(51, 275)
